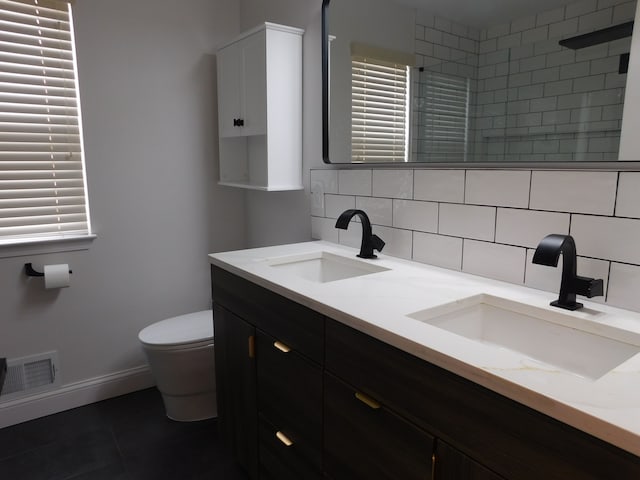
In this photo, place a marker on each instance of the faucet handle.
(589, 287)
(377, 243)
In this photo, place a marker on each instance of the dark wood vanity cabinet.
(323, 400)
(285, 353)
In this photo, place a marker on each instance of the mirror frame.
(619, 165)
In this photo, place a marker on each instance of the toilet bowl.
(181, 356)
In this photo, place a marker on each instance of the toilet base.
(190, 408)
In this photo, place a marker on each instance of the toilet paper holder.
(30, 272)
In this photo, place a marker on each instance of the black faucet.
(369, 240)
(548, 252)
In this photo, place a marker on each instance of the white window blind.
(442, 116)
(379, 110)
(42, 178)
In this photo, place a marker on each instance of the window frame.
(56, 239)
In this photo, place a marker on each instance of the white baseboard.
(75, 395)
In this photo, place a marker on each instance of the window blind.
(442, 116)
(42, 179)
(379, 110)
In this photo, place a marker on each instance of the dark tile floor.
(124, 438)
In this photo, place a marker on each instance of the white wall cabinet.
(260, 109)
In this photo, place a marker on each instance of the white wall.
(147, 76)
(283, 217)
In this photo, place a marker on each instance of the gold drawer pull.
(284, 439)
(282, 347)
(433, 466)
(370, 402)
(252, 346)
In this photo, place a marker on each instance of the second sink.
(531, 331)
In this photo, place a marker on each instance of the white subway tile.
(624, 12)
(498, 30)
(564, 28)
(468, 221)
(608, 238)
(324, 180)
(588, 84)
(499, 188)
(500, 262)
(523, 23)
(321, 182)
(623, 286)
(535, 35)
(547, 278)
(510, 41)
(443, 24)
(437, 250)
(336, 204)
(550, 16)
(581, 8)
(577, 192)
(414, 215)
(596, 20)
(354, 182)
(628, 202)
(393, 183)
(398, 243)
(379, 210)
(324, 229)
(439, 185)
(525, 228)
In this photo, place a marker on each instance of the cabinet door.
(242, 86)
(451, 464)
(229, 66)
(254, 85)
(364, 440)
(236, 387)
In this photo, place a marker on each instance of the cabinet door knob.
(284, 439)
(238, 122)
(368, 401)
(282, 347)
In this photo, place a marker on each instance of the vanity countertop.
(377, 304)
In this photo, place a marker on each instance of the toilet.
(181, 356)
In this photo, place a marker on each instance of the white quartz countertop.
(377, 304)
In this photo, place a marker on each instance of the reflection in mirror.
(404, 83)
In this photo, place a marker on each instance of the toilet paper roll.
(56, 276)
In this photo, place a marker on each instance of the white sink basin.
(554, 338)
(324, 266)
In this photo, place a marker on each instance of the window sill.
(41, 246)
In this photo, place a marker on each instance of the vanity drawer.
(507, 437)
(296, 325)
(280, 460)
(364, 440)
(290, 395)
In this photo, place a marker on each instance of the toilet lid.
(189, 328)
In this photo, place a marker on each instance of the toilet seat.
(192, 330)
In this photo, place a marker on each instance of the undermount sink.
(324, 267)
(539, 334)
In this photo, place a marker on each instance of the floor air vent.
(27, 375)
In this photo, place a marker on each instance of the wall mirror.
(448, 82)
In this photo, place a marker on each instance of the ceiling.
(485, 13)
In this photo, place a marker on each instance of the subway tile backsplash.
(475, 221)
